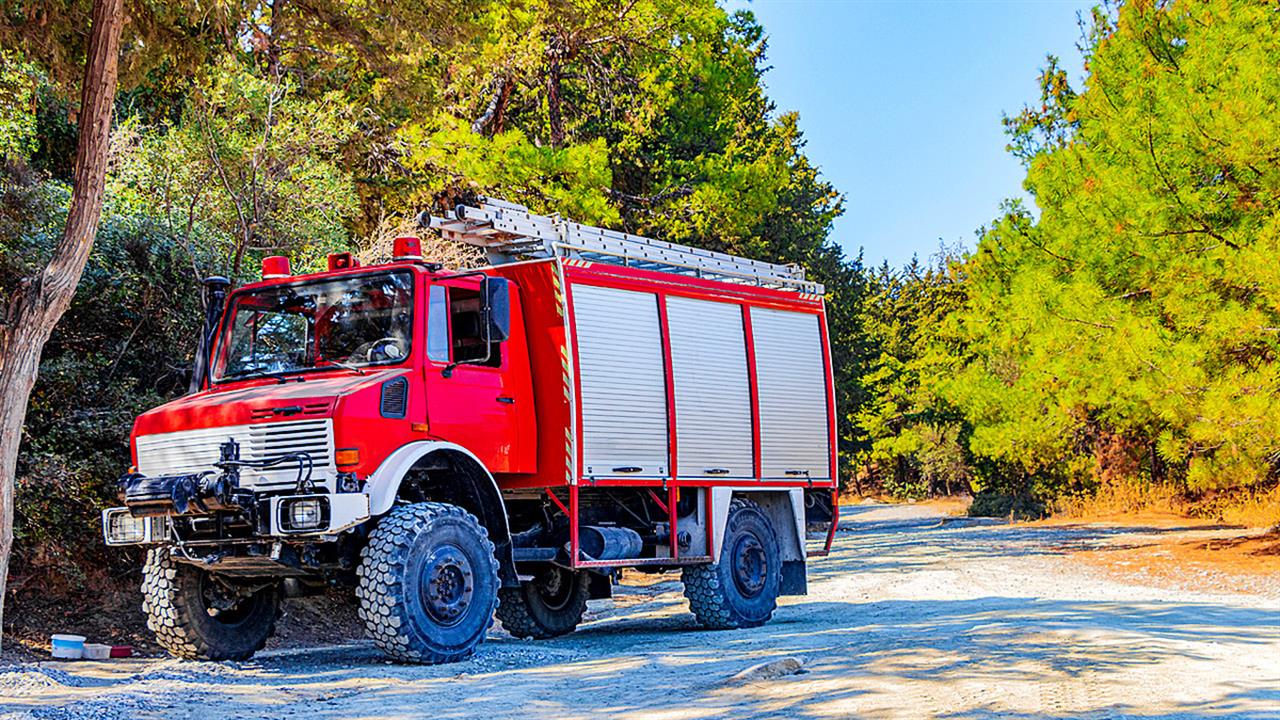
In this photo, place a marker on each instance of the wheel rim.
(750, 566)
(556, 588)
(447, 585)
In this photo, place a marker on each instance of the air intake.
(395, 398)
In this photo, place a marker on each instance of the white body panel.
(193, 451)
(791, 372)
(623, 380)
(712, 389)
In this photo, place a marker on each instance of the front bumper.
(275, 517)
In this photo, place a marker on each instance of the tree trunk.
(273, 42)
(555, 118)
(493, 112)
(39, 302)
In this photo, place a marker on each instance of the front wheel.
(740, 591)
(198, 616)
(428, 583)
(550, 605)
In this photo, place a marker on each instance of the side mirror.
(497, 292)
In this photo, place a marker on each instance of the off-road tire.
(526, 612)
(718, 601)
(173, 601)
(391, 584)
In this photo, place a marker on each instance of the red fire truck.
(459, 443)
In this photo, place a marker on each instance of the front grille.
(193, 451)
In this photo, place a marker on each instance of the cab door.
(472, 398)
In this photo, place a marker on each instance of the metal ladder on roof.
(509, 232)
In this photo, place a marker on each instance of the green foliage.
(918, 440)
(124, 346)
(251, 127)
(1126, 330)
(250, 166)
(19, 81)
(1141, 299)
(570, 179)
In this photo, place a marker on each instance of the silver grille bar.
(193, 451)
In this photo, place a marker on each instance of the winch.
(204, 492)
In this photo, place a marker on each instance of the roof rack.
(509, 232)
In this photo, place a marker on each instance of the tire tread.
(169, 614)
(705, 589)
(379, 590)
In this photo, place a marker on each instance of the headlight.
(304, 514)
(120, 527)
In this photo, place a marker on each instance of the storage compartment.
(791, 372)
(712, 389)
(623, 382)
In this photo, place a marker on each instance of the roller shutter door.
(624, 395)
(791, 373)
(712, 389)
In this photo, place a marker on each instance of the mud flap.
(600, 587)
(794, 581)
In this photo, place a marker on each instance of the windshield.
(345, 322)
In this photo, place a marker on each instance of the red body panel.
(488, 410)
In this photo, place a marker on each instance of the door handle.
(506, 400)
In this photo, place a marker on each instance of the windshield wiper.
(286, 376)
(346, 366)
(280, 376)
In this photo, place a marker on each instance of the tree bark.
(554, 72)
(39, 301)
(493, 112)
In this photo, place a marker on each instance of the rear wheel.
(741, 590)
(428, 583)
(198, 616)
(550, 605)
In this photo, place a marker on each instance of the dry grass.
(1214, 540)
(377, 247)
(1256, 507)
(954, 505)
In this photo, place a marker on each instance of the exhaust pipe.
(215, 301)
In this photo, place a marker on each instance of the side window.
(438, 325)
(467, 322)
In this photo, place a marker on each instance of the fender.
(477, 492)
(785, 508)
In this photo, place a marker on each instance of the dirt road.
(914, 615)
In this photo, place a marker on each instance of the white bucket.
(67, 647)
(94, 651)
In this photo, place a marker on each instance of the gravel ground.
(913, 615)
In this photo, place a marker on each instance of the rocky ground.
(915, 614)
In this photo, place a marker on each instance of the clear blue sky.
(901, 103)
